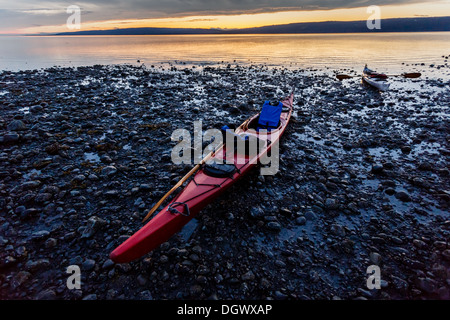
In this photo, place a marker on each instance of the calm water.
(335, 51)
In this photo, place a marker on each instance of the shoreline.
(364, 180)
(434, 71)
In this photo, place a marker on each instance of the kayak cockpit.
(254, 125)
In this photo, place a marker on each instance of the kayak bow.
(209, 182)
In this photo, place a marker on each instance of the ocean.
(388, 52)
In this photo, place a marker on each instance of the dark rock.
(403, 196)
(108, 264)
(88, 265)
(47, 294)
(406, 149)
(310, 215)
(249, 276)
(30, 185)
(234, 110)
(274, 226)
(331, 204)
(300, 221)
(375, 258)
(35, 265)
(338, 230)
(280, 296)
(39, 235)
(109, 171)
(10, 137)
(426, 284)
(195, 290)
(16, 125)
(51, 243)
(36, 109)
(377, 168)
(256, 212)
(145, 295)
(446, 254)
(43, 197)
(20, 278)
(425, 166)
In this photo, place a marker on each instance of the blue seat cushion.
(270, 116)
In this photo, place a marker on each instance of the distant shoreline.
(200, 34)
(230, 34)
(401, 25)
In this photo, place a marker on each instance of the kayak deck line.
(175, 204)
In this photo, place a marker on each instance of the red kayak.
(209, 182)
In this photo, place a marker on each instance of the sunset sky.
(34, 17)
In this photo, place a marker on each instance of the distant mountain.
(142, 31)
(387, 25)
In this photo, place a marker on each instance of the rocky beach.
(363, 180)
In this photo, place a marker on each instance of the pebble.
(10, 137)
(377, 168)
(21, 278)
(51, 243)
(46, 294)
(17, 125)
(39, 235)
(426, 284)
(249, 276)
(145, 295)
(195, 290)
(274, 226)
(300, 221)
(310, 215)
(36, 108)
(109, 171)
(331, 204)
(403, 196)
(375, 258)
(88, 265)
(256, 212)
(108, 264)
(141, 280)
(446, 254)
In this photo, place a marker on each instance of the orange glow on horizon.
(433, 9)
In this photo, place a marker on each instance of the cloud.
(165, 8)
(180, 7)
(201, 20)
